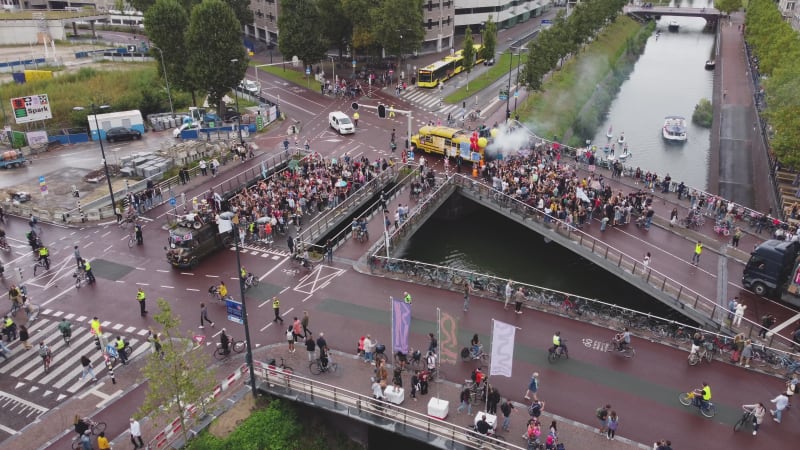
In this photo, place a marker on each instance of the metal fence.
(352, 404)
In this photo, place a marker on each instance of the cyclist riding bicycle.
(65, 327)
(33, 240)
(222, 290)
(702, 396)
(224, 342)
(622, 340)
(81, 425)
(476, 349)
(44, 255)
(44, 350)
(15, 295)
(557, 346)
(697, 341)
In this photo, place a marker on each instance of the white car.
(186, 126)
(340, 122)
(250, 86)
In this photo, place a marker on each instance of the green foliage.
(178, 379)
(728, 6)
(297, 38)
(214, 29)
(139, 88)
(360, 13)
(469, 50)
(388, 25)
(336, 26)
(495, 72)
(778, 49)
(166, 23)
(273, 428)
(703, 114)
(489, 38)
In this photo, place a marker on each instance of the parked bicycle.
(233, 346)
(412, 360)
(704, 352)
(282, 365)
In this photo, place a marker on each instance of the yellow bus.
(444, 141)
(444, 69)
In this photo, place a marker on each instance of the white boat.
(625, 154)
(674, 129)
(621, 139)
(673, 25)
(609, 134)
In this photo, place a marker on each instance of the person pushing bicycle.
(623, 339)
(224, 342)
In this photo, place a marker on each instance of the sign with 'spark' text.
(31, 108)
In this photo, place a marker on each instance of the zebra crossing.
(263, 249)
(25, 367)
(430, 100)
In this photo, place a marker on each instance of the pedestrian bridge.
(711, 15)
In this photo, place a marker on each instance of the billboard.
(31, 108)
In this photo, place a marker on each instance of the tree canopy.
(166, 22)
(219, 61)
(728, 6)
(297, 38)
(777, 47)
(489, 38)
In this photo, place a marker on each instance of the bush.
(703, 113)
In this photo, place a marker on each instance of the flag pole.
(439, 343)
(391, 322)
(491, 344)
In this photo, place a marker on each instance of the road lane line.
(273, 269)
(266, 326)
(288, 311)
(167, 287)
(783, 325)
(285, 289)
(212, 276)
(309, 296)
(187, 273)
(107, 248)
(193, 289)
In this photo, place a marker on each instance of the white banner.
(31, 109)
(502, 348)
(37, 138)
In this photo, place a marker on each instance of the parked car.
(230, 114)
(489, 62)
(122, 134)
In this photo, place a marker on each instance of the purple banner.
(401, 325)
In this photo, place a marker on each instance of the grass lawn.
(292, 74)
(553, 110)
(499, 70)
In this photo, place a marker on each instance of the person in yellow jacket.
(276, 308)
(142, 299)
(44, 256)
(355, 118)
(698, 249)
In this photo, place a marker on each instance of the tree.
(489, 39)
(360, 13)
(221, 63)
(241, 8)
(337, 27)
(468, 53)
(166, 23)
(728, 6)
(297, 38)
(399, 33)
(178, 379)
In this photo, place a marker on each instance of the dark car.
(230, 114)
(122, 134)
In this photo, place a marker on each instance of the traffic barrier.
(173, 430)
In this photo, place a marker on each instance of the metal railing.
(353, 404)
(332, 217)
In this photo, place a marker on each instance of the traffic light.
(355, 106)
(382, 111)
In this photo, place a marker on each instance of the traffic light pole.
(356, 106)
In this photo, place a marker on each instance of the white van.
(341, 123)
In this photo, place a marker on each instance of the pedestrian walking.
(507, 408)
(781, 401)
(646, 262)
(290, 337)
(759, 411)
(509, 292)
(747, 354)
(311, 347)
(407, 297)
(77, 254)
(415, 384)
(466, 295)
(102, 442)
(136, 434)
(142, 299)
(304, 323)
(613, 423)
(698, 249)
(492, 400)
(739, 314)
(533, 387)
(602, 417)
(519, 297)
(297, 329)
(433, 344)
(465, 403)
(329, 251)
(322, 345)
(23, 337)
(369, 349)
(276, 308)
(86, 363)
(204, 316)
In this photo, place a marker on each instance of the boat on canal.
(609, 133)
(674, 129)
(711, 64)
(621, 140)
(673, 25)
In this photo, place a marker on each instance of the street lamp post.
(519, 61)
(508, 91)
(238, 113)
(333, 68)
(102, 153)
(249, 355)
(164, 68)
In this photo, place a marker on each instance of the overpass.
(712, 15)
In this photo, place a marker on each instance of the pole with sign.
(43, 186)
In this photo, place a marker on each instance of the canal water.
(668, 79)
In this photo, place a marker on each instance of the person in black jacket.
(493, 400)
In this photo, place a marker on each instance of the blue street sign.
(172, 201)
(547, 21)
(41, 178)
(503, 97)
(516, 94)
(234, 310)
(308, 70)
(354, 63)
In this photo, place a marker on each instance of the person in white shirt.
(780, 404)
(758, 415)
(136, 434)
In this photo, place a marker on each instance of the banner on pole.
(502, 349)
(401, 323)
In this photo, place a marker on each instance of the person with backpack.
(536, 408)
(602, 417)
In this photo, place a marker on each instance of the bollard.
(110, 370)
